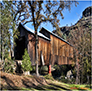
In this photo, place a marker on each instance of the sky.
(70, 17)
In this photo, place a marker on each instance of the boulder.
(69, 74)
(26, 73)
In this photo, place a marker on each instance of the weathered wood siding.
(31, 47)
(43, 45)
(56, 50)
(61, 52)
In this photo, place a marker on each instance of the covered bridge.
(51, 48)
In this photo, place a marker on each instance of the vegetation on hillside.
(9, 65)
(26, 62)
(81, 39)
(8, 32)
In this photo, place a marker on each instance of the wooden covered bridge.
(51, 48)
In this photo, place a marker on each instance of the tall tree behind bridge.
(37, 12)
(80, 37)
(8, 30)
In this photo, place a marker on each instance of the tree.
(8, 30)
(37, 12)
(81, 39)
(9, 65)
(26, 63)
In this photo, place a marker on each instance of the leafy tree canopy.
(38, 12)
(8, 31)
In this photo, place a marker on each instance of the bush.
(60, 70)
(26, 63)
(9, 65)
(68, 81)
(44, 68)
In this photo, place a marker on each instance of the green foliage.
(44, 68)
(26, 63)
(68, 81)
(61, 34)
(89, 66)
(49, 77)
(9, 65)
(64, 36)
(60, 70)
(8, 30)
(41, 12)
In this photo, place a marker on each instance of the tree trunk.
(10, 47)
(36, 55)
(1, 43)
(77, 69)
(77, 74)
(2, 51)
(36, 37)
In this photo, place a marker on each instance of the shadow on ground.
(9, 84)
(35, 83)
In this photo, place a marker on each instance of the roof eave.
(56, 36)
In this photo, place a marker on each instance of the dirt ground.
(11, 81)
(16, 82)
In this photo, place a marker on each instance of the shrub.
(9, 65)
(68, 81)
(44, 68)
(26, 63)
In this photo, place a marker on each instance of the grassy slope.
(16, 82)
(54, 85)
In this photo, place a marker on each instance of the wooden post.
(50, 69)
(49, 65)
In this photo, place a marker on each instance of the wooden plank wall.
(60, 51)
(44, 46)
(55, 50)
(31, 47)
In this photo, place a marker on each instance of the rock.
(26, 73)
(65, 77)
(69, 74)
(87, 12)
(72, 77)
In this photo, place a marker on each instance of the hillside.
(10, 81)
(84, 22)
(15, 82)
